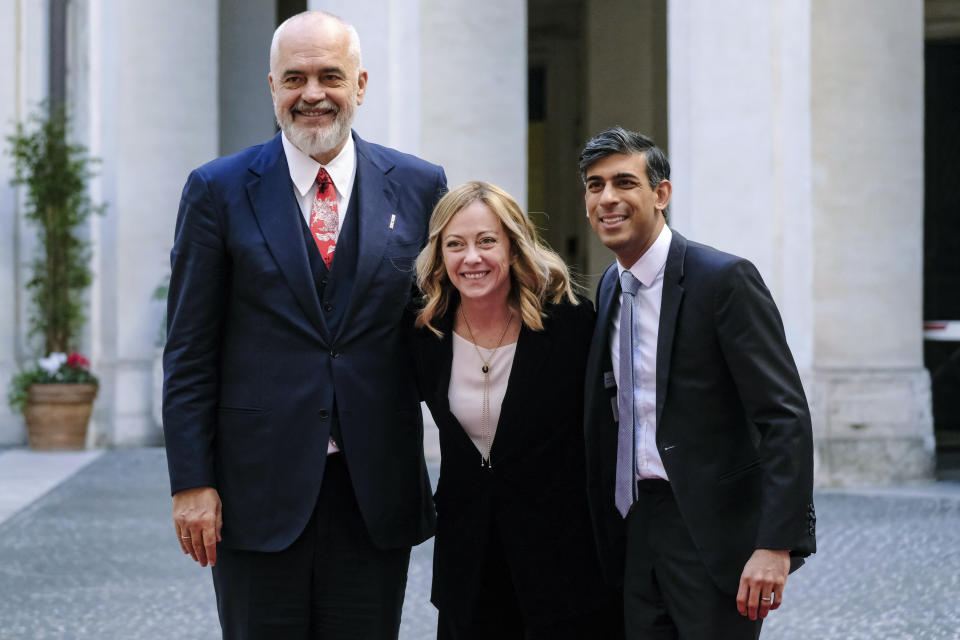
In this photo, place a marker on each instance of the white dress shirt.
(649, 271)
(303, 174)
(465, 392)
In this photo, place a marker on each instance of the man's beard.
(315, 141)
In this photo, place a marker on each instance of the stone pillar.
(23, 66)
(245, 107)
(626, 84)
(872, 393)
(473, 91)
(147, 88)
(740, 143)
(796, 141)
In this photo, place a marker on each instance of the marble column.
(870, 388)
(145, 78)
(797, 142)
(473, 91)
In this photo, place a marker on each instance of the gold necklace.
(473, 341)
(485, 398)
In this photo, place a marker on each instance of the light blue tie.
(626, 478)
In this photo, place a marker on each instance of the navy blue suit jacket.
(254, 374)
(733, 426)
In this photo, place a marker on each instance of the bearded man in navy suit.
(699, 447)
(293, 430)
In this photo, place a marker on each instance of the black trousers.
(667, 592)
(331, 583)
(497, 614)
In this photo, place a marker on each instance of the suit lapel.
(278, 214)
(377, 202)
(606, 296)
(669, 310)
(532, 350)
(607, 292)
(442, 353)
(601, 440)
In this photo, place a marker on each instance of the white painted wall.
(23, 83)
(11, 54)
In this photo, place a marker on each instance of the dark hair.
(616, 139)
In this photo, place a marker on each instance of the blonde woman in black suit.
(501, 349)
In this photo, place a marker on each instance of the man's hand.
(764, 575)
(197, 519)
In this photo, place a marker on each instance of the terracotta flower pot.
(57, 415)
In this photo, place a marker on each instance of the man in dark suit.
(699, 447)
(293, 433)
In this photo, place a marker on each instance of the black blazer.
(255, 372)
(534, 494)
(733, 426)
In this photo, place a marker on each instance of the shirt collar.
(652, 262)
(303, 168)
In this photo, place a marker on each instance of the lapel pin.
(393, 218)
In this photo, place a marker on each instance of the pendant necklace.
(485, 398)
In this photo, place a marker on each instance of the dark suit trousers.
(331, 583)
(497, 614)
(667, 592)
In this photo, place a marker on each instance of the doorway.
(941, 263)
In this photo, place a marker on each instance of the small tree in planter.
(55, 173)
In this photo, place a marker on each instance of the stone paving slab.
(96, 558)
(888, 567)
(27, 475)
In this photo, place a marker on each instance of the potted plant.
(56, 397)
(57, 393)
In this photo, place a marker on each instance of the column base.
(872, 427)
(123, 414)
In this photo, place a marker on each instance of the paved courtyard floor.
(95, 557)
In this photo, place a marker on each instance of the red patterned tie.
(324, 217)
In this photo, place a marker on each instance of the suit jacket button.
(324, 414)
(334, 354)
(328, 307)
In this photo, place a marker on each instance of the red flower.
(77, 361)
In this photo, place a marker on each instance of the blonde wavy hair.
(537, 274)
